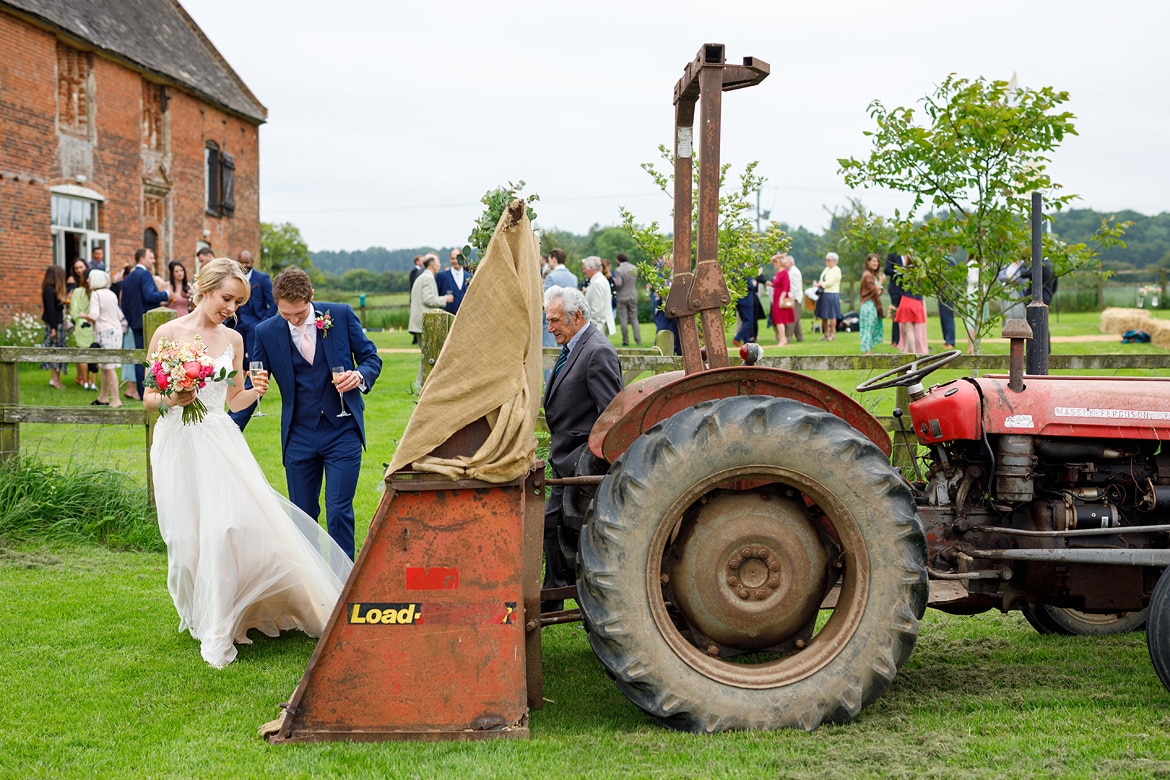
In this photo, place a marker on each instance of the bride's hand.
(260, 383)
(182, 398)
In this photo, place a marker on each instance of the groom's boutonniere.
(324, 323)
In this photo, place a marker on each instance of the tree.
(972, 159)
(494, 202)
(742, 249)
(281, 246)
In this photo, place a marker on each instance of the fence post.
(905, 445)
(9, 396)
(436, 326)
(151, 321)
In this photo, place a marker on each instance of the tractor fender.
(647, 402)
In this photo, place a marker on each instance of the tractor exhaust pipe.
(1018, 332)
(1037, 311)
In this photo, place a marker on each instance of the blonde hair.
(213, 274)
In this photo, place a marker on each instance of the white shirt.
(457, 275)
(298, 332)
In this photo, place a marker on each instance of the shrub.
(25, 330)
(75, 504)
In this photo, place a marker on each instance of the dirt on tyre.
(713, 542)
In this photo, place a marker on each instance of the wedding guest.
(82, 332)
(869, 320)
(911, 318)
(53, 296)
(106, 317)
(784, 303)
(828, 309)
(128, 378)
(180, 301)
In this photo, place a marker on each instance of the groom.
(298, 348)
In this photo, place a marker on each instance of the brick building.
(120, 126)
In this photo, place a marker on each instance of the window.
(74, 224)
(150, 240)
(154, 105)
(74, 68)
(220, 181)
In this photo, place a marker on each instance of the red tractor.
(748, 557)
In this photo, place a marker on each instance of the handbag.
(785, 301)
(94, 366)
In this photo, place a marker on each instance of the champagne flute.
(254, 369)
(338, 372)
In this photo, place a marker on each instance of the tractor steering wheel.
(909, 374)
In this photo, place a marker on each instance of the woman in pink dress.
(782, 294)
(181, 289)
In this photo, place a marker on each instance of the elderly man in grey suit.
(586, 378)
(625, 281)
(424, 297)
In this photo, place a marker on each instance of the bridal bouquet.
(176, 367)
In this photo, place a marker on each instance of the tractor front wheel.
(709, 551)
(1158, 628)
(1064, 621)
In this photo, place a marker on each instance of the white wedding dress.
(240, 555)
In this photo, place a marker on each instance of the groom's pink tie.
(307, 347)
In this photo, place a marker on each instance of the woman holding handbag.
(108, 326)
(783, 304)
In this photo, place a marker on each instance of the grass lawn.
(97, 682)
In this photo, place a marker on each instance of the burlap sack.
(489, 366)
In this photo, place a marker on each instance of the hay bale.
(1117, 320)
(1159, 331)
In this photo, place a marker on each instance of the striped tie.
(561, 359)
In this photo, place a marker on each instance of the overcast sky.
(389, 120)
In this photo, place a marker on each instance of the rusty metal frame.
(702, 290)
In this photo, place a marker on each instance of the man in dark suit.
(318, 438)
(260, 305)
(453, 282)
(140, 294)
(893, 271)
(586, 378)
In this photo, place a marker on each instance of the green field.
(97, 682)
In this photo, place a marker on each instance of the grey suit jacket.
(576, 397)
(424, 297)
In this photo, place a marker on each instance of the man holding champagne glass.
(310, 349)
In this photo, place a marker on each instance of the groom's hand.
(350, 380)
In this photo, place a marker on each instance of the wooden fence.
(633, 363)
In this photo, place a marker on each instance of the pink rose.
(193, 369)
(161, 379)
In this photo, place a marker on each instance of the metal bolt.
(664, 578)
(747, 552)
(800, 644)
(734, 563)
(743, 594)
(761, 595)
(733, 581)
(712, 650)
(774, 565)
(774, 583)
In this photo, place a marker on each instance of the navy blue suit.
(445, 282)
(315, 443)
(140, 294)
(260, 307)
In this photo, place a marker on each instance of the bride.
(240, 555)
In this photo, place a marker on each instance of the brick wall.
(31, 162)
(27, 150)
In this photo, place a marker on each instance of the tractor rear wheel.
(1047, 619)
(710, 547)
(1158, 628)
